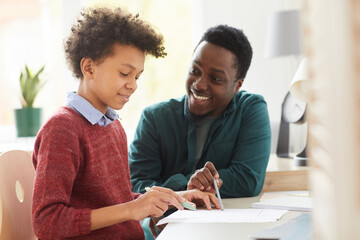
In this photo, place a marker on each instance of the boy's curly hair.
(96, 31)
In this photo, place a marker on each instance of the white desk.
(222, 231)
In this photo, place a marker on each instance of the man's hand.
(202, 179)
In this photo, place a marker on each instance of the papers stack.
(227, 215)
(298, 201)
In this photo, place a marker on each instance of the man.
(215, 131)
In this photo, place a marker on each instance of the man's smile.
(198, 97)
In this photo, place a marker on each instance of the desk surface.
(277, 164)
(283, 175)
(222, 231)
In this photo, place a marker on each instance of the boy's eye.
(138, 76)
(124, 74)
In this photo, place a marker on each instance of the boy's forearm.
(107, 216)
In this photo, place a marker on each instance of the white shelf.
(9, 141)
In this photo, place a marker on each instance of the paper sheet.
(294, 200)
(298, 228)
(228, 215)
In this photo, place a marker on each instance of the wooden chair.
(16, 186)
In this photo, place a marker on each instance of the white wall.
(268, 77)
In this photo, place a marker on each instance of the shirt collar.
(88, 111)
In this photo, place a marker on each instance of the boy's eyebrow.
(130, 66)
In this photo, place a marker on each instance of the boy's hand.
(202, 179)
(195, 195)
(201, 198)
(154, 203)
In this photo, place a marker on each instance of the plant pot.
(28, 121)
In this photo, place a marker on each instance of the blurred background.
(32, 32)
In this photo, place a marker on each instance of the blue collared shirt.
(84, 108)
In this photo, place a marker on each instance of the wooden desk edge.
(286, 181)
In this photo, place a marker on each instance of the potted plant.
(28, 118)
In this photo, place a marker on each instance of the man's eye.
(217, 79)
(194, 71)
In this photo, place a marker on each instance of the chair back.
(16, 186)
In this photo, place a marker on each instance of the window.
(32, 32)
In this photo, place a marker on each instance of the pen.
(218, 195)
(184, 204)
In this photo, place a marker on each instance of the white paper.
(298, 201)
(228, 215)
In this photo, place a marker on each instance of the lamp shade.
(283, 34)
(299, 83)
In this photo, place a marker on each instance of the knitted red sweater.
(79, 167)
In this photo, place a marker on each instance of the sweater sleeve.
(246, 173)
(56, 158)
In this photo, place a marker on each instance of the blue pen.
(184, 204)
(218, 195)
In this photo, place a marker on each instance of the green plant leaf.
(40, 71)
(37, 90)
(22, 85)
(30, 85)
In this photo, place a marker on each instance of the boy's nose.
(131, 84)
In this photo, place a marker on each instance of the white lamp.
(298, 87)
(283, 34)
(299, 90)
(283, 38)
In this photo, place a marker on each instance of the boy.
(82, 185)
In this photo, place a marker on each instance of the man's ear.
(87, 68)
(238, 85)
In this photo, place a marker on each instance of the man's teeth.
(200, 97)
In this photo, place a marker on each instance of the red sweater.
(79, 167)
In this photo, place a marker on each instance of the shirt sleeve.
(56, 159)
(145, 159)
(246, 173)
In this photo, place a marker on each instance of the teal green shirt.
(238, 144)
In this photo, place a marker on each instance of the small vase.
(28, 121)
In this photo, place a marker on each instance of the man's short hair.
(235, 41)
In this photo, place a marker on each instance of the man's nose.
(201, 83)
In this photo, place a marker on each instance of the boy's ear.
(87, 68)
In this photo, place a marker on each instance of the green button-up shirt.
(163, 150)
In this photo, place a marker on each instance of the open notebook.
(294, 200)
